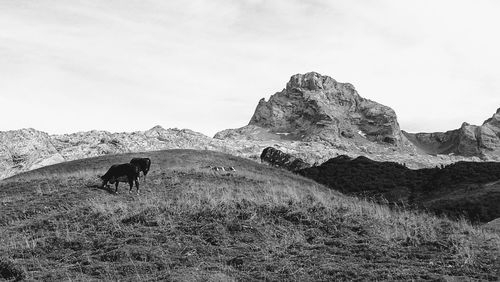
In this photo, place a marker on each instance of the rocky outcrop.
(317, 108)
(26, 149)
(281, 159)
(468, 140)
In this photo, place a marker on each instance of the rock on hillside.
(314, 107)
(278, 158)
(468, 140)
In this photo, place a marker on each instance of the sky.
(126, 65)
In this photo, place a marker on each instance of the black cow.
(122, 173)
(143, 164)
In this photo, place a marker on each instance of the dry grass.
(190, 223)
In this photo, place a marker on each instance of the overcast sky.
(123, 65)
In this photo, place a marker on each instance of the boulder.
(278, 158)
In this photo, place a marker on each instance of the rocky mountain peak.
(157, 128)
(313, 81)
(314, 107)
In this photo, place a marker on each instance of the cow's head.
(104, 180)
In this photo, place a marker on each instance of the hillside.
(467, 189)
(190, 223)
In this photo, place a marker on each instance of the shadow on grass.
(103, 188)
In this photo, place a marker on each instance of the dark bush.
(368, 178)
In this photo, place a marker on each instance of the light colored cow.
(221, 168)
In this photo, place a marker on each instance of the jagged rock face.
(313, 107)
(489, 137)
(25, 149)
(281, 159)
(469, 140)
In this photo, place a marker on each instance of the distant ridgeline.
(470, 189)
(314, 116)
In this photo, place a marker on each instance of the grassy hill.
(193, 224)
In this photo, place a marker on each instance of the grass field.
(193, 224)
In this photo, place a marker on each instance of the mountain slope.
(190, 223)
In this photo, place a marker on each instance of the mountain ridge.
(26, 149)
(468, 140)
(317, 108)
(314, 118)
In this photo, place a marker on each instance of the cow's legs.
(137, 185)
(116, 187)
(131, 184)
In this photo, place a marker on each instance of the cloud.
(128, 65)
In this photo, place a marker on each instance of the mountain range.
(314, 117)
